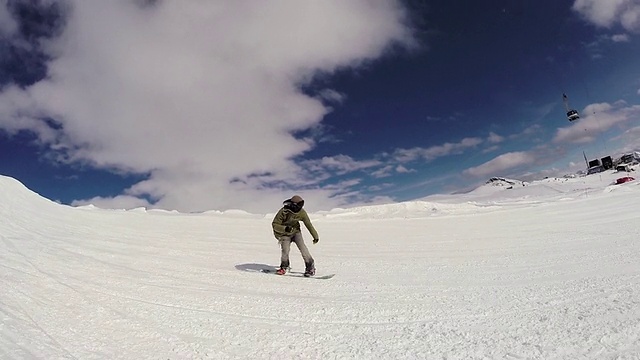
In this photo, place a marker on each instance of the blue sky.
(239, 105)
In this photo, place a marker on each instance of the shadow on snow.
(252, 267)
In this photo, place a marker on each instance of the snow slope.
(546, 271)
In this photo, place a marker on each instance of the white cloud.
(596, 119)
(403, 170)
(200, 95)
(620, 38)
(531, 130)
(332, 96)
(628, 141)
(490, 149)
(607, 13)
(528, 132)
(389, 170)
(339, 164)
(495, 138)
(501, 163)
(434, 152)
(382, 172)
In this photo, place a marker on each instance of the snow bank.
(558, 280)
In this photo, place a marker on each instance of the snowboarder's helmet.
(294, 204)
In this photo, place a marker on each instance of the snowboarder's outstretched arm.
(309, 226)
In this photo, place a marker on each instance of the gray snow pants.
(285, 246)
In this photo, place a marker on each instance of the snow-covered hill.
(548, 270)
(501, 190)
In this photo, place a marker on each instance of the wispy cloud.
(385, 165)
(8, 25)
(332, 96)
(500, 164)
(598, 47)
(383, 172)
(403, 170)
(630, 140)
(620, 38)
(495, 138)
(339, 164)
(529, 131)
(434, 152)
(596, 119)
(390, 170)
(490, 149)
(454, 117)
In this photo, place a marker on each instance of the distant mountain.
(506, 183)
(497, 191)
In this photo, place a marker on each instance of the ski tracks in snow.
(522, 283)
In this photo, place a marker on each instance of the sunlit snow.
(543, 270)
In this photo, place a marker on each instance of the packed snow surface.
(542, 270)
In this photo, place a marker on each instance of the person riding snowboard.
(286, 228)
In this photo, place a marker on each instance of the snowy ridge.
(13, 192)
(505, 183)
(495, 194)
(552, 274)
(496, 191)
(409, 209)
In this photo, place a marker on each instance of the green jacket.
(286, 217)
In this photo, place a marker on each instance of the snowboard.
(298, 274)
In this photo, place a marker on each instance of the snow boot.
(309, 272)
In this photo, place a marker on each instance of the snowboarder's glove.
(315, 241)
(288, 229)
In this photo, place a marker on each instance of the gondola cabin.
(573, 115)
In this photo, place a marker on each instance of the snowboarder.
(286, 228)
